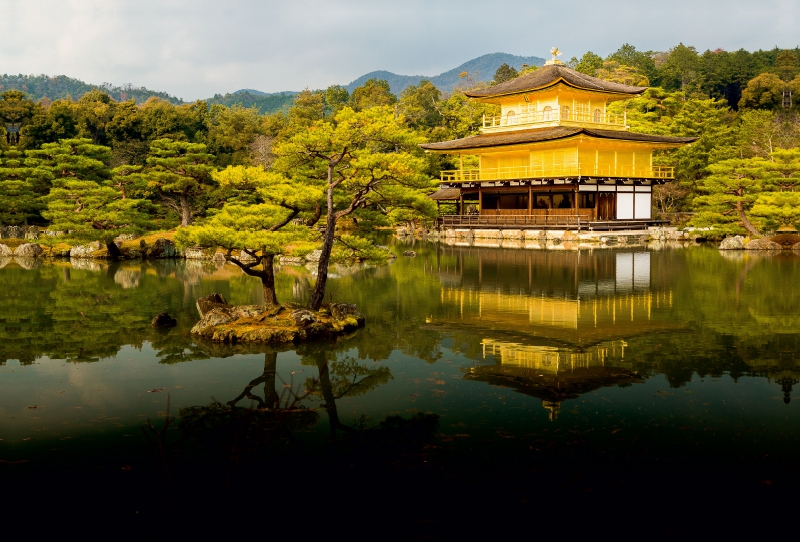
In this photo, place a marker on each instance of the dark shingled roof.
(550, 75)
(446, 194)
(546, 134)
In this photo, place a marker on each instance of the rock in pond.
(732, 243)
(28, 250)
(276, 324)
(84, 251)
(762, 244)
(208, 303)
(5, 252)
(163, 319)
(409, 253)
(162, 248)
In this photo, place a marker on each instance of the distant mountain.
(61, 87)
(265, 102)
(481, 69)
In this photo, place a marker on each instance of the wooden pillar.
(480, 199)
(596, 201)
(461, 204)
(530, 199)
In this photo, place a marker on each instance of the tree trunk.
(271, 397)
(747, 224)
(318, 293)
(186, 211)
(268, 279)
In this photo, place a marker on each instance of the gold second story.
(554, 123)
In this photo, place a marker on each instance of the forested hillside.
(263, 101)
(60, 87)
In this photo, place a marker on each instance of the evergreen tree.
(729, 195)
(80, 201)
(21, 186)
(261, 227)
(178, 173)
(358, 160)
(504, 73)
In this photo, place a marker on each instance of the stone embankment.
(561, 239)
(784, 241)
(221, 322)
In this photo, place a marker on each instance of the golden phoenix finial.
(555, 52)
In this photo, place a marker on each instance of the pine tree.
(178, 173)
(21, 185)
(730, 193)
(81, 200)
(260, 222)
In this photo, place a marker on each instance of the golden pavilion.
(554, 157)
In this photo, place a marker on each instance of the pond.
(486, 381)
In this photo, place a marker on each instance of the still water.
(509, 379)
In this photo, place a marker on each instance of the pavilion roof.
(517, 137)
(551, 75)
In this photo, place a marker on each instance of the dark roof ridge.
(549, 75)
(546, 134)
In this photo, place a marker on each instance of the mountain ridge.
(481, 68)
(40, 87)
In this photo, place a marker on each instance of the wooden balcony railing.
(572, 218)
(534, 172)
(503, 122)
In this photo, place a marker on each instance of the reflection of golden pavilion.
(556, 296)
(551, 373)
(554, 325)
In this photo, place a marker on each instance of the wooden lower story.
(555, 204)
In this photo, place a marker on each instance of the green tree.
(787, 67)
(680, 69)
(261, 229)
(357, 159)
(308, 108)
(616, 72)
(641, 62)
(373, 93)
(80, 201)
(95, 111)
(231, 133)
(504, 73)
(780, 202)
(764, 91)
(419, 105)
(16, 110)
(178, 173)
(336, 97)
(21, 186)
(758, 133)
(589, 63)
(50, 124)
(730, 193)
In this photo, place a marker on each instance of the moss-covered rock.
(277, 324)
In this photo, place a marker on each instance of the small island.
(289, 323)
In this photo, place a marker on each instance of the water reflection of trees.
(262, 422)
(682, 312)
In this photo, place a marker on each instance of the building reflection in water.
(553, 324)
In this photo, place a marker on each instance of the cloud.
(194, 49)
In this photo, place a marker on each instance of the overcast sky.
(194, 49)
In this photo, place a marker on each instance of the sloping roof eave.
(485, 141)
